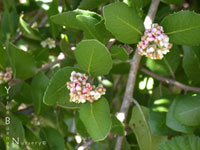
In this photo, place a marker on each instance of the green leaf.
(183, 28)
(120, 68)
(2, 90)
(176, 2)
(38, 87)
(29, 32)
(41, 56)
(56, 92)
(168, 65)
(146, 140)
(171, 121)
(88, 26)
(2, 144)
(22, 63)
(31, 137)
(157, 123)
(65, 46)
(103, 33)
(125, 24)
(93, 57)
(91, 4)
(188, 142)
(80, 127)
(191, 63)
(53, 10)
(54, 139)
(21, 93)
(96, 118)
(117, 126)
(91, 31)
(187, 110)
(157, 117)
(119, 53)
(69, 20)
(16, 129)
(2, 57)
(9, 24)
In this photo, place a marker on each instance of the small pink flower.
(81, 91)
(154, 43)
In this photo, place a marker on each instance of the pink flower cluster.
(5, 76)
(154, 43)
(82, 91)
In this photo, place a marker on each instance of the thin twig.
(170, 81)
(43, 22)
(85, 145)
(110, 43)
(134, 69)
(50, 65)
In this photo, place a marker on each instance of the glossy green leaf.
(91, 4)
(69, 20)
(191, 63)
(54, 140)
(93, 57)
(187, 110)
(2, 57)
(38, 87)
(146, 140)
(29, 32)
(117, 126)
(119, 52)
(125, 24)
(171, 121)
(183, 27)
(168, 65)
(96, 118)
(187, 142)
(57, 92)
(22, 63)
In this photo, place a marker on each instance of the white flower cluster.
(5, 76)
(82, 91)
(154, 43)
(49, 42)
